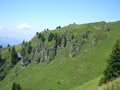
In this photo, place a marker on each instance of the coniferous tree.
(47, 29)
(0, 46)
(2, 61)
(8, 45)
(29, 48)
(16, 86)
(58, 40)
(58, 27)
(14, 58)
(19, 87)
(23, 42)
(50, 37)
(23, 51)
(112, 70)
(13, 86)
(8, 49)
(42, 38)
(39, 35)
(0, 58)
(55, 36)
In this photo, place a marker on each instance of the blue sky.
(23, 18)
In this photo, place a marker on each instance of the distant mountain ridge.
(4, 41)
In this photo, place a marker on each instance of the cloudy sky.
(21, 19)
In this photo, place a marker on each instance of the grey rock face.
(85, 35)
(19, 55)
(48, 54)
(52, 51)
(94, 42)
(44, 51)
(36, 57)
(106, 28)
(24, 62)
(75, 49)
(63, 42)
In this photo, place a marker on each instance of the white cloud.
(1, 27)
(23, 26)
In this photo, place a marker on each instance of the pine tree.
(42, 38)
(13, 86)
(0, 58)
(8, 45)
(23, 42)
(29, 48)
(16, 86)
(39, 35)
(0, 46)
(23, 51)
(58, 41)
(50, 37)
(19, 87)
(14, 58)
(8, 49)
(47, 29)
(55, 36)
(112, 70)
(58, 27)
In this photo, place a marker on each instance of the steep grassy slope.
(65, 73)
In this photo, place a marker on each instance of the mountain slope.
(65, 72)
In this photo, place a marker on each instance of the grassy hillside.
(93, 85)
(81, 72)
